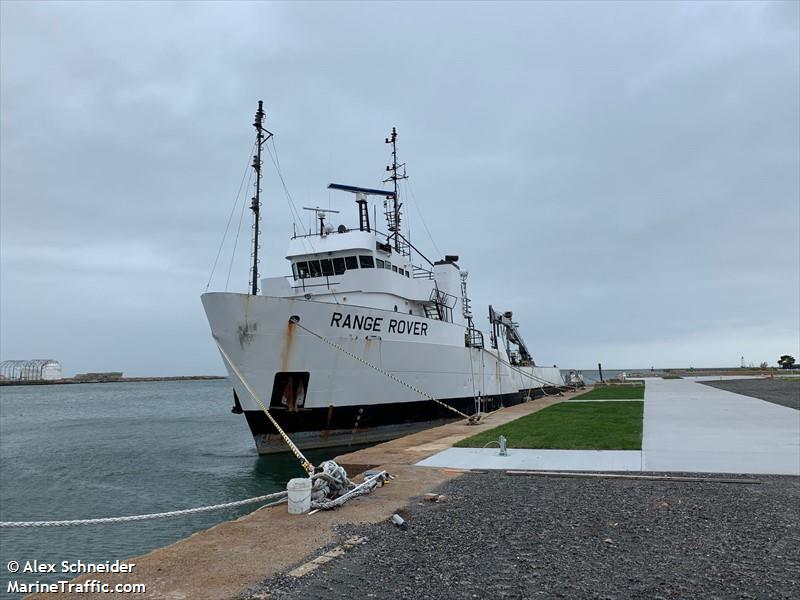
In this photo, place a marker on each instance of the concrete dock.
(688, 427)
(694, 427)
(228, 559)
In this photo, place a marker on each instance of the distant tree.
(764, 365)
(786, 361)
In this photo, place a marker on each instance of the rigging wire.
(294, 213)
(422, 218)
(230, 217)
(277, 162)
(541, 381)
(236, 240)
(472, 379)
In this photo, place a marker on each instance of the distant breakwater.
(117, 380)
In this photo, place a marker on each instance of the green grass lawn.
(571, 426)
(614, 392)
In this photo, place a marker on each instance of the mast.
(262, 135)
(393, 209)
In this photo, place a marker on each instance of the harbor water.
(115, 449)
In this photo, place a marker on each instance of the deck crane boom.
(521, 356)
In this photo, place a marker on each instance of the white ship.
(367, 340)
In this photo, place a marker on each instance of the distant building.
(37, 369)
(98, 377)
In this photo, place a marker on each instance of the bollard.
(299, 495)
(503, 450)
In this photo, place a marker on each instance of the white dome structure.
(37, 369)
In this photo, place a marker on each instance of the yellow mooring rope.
(309, 468)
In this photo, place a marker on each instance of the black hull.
(367, 423)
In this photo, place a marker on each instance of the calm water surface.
(99, 450)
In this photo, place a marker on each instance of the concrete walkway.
(549, 460)
(694, 427)
(687, 427)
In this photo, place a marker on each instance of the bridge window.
(351, 262)
(387, 265)
(327, 267)
(379, 263)
(314, 268)
(302, 270)
(394, 268)
(338, 266)
(366, 262)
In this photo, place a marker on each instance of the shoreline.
(70, 381)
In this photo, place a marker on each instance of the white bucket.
(299, 496)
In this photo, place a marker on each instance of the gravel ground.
(501, 536)
(777, 391)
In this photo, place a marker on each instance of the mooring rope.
(148, 517)
(535, 378)
(332, 488)
(307, 466)
(296, 321)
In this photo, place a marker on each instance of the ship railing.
(303, 285)
(421, 273)
(297, 236)
(473, 338)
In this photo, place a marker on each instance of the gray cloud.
(624, 176)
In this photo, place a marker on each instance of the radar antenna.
(321, 214)
(262, 135)
(392, 204)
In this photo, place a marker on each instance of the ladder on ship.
(431, 310)
(440, 305)
(473, 338)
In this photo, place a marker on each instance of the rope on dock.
(296, 321)
(148, 517)
(332, 488)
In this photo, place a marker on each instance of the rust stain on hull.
(286, 351)
(246, 333)
(326, 432)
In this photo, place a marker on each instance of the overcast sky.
(625, 177)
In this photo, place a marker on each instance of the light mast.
(393, 209)
(262, 135)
